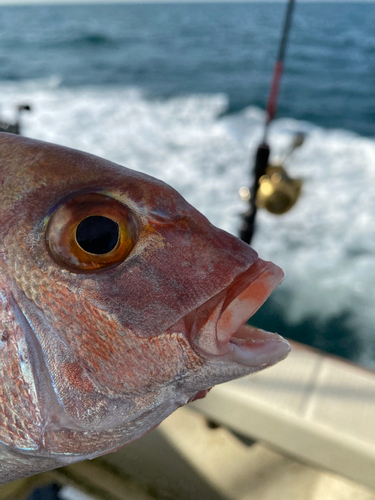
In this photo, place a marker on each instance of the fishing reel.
(272, 189)
(277, 192)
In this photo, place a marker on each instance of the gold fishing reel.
(277, 192)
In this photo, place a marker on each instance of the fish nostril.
(97, 234)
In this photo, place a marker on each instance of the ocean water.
(178, 91)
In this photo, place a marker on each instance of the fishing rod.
(263, 151)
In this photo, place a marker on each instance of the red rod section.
(274, 91)
(277, 72)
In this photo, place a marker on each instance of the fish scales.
(119, 303)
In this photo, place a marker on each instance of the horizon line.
(10, 3)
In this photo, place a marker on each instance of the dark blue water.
(170, 49)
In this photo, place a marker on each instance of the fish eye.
(97, 234)
(91, 232)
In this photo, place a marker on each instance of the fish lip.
(219, 332)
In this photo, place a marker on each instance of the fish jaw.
(219, 330)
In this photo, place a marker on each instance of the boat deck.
(314, 407)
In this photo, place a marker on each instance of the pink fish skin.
(99, 345)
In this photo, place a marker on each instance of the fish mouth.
(218, 330)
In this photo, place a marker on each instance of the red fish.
(119, 302)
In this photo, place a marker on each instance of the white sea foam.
(326, 243)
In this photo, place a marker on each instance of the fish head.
(121, 302)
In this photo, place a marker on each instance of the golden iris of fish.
(119, 302)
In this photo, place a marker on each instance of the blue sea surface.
(177, 91)
(169, 49)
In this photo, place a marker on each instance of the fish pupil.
(97, 234)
